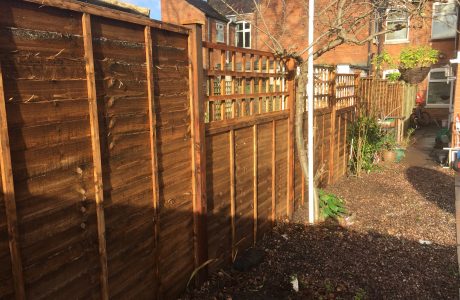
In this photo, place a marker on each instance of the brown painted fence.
(125, 167)
(95, 152)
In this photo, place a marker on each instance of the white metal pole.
(311, 96)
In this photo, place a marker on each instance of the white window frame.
(220, 38)
(397, 41)
(438, 80)
(434, 15)
(385, 73)
(244, 31)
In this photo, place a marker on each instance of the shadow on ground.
(428, 183)
(331, 262)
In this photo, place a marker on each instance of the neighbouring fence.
(125, 166)
(385, 99)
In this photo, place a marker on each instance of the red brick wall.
(211, 27)
(180, 12)
(289, 24)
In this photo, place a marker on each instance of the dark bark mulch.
(398, 243)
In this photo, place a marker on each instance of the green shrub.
(366, 139)
(393, 77)
(388, 141)
(383, 59)
(330, 205)
(418, 57)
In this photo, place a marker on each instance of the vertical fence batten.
(291, 146)
(198, 147)
(273, 165)
(232, 191)
(96, 151)
(255, 181)
(153, 146)
(9, 198)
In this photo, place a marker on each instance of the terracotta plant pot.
(389, 156)
(414, 75)
(291, 65)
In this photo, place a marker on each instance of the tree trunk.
(299, 131)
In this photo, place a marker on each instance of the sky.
(154, 5)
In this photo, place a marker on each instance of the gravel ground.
(399, 244)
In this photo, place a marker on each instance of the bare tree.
(337, 22)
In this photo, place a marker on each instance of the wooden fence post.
(9, 198)
(231, 142)
(196, 83)
(291, 146)
(273, 212)
(255, 179)
(332, 104)
(96, 149)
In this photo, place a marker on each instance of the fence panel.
(248, 114)
(381, 97)
(96, 216)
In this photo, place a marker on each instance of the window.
(397, 19)
(387, 73)
(444, 20)
(439, 88)
(243, 34)
(220, 32)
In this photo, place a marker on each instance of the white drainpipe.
(311, 99)
(228, 39)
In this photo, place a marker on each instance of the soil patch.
(400, 243)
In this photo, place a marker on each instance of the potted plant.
(291, 65)
(388, 148)
(401, 147)
(415, 63)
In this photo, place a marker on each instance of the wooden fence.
(125, 167)
(381, 97)
(96, 151)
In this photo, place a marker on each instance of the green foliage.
(383, 59)
(360, 295)
(330, 205)
(388, 141)
(393, 77)
(408, 138)
(418, 57)
(365, 138)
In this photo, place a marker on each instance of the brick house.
(216, 27)
(438, 32)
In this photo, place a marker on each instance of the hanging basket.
(414, 75)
